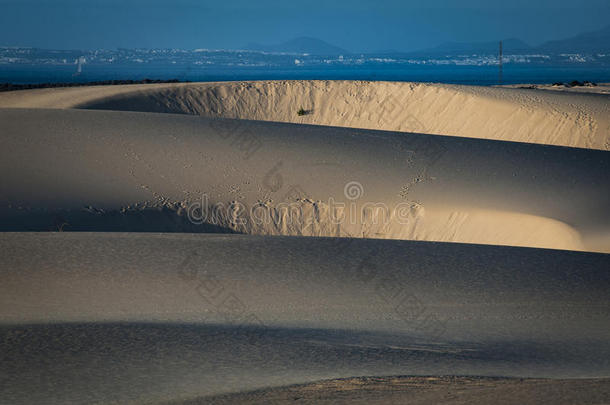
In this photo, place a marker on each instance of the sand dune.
(160, 313)
(427, 390)
(102, 170)
(579, 120)
(356, 284)
(89, 317)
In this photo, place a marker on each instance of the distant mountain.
(309, 45)
(511, 45)
(590, 42)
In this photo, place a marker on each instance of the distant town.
(254, 58)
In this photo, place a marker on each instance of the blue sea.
(475, 75)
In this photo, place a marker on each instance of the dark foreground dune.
(104, 317)
(101, 363)
(427, 390)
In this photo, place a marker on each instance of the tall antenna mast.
(500, 64)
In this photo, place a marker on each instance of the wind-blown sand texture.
(412, 230)
(158, 317)
(427, 390)
(553, 118)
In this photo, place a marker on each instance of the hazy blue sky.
(356, 25)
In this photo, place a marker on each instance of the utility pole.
(500, 64)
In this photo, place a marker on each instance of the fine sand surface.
(204, 243)
(106, 170)
(555, 118)
(93, 317)
(427, 390)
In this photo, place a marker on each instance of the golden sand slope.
(555, 118)
(108, 170)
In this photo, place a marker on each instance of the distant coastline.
(11, 86)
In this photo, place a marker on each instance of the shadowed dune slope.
(125, 171)
(306, 282)
(579, 120)
(100, 317)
